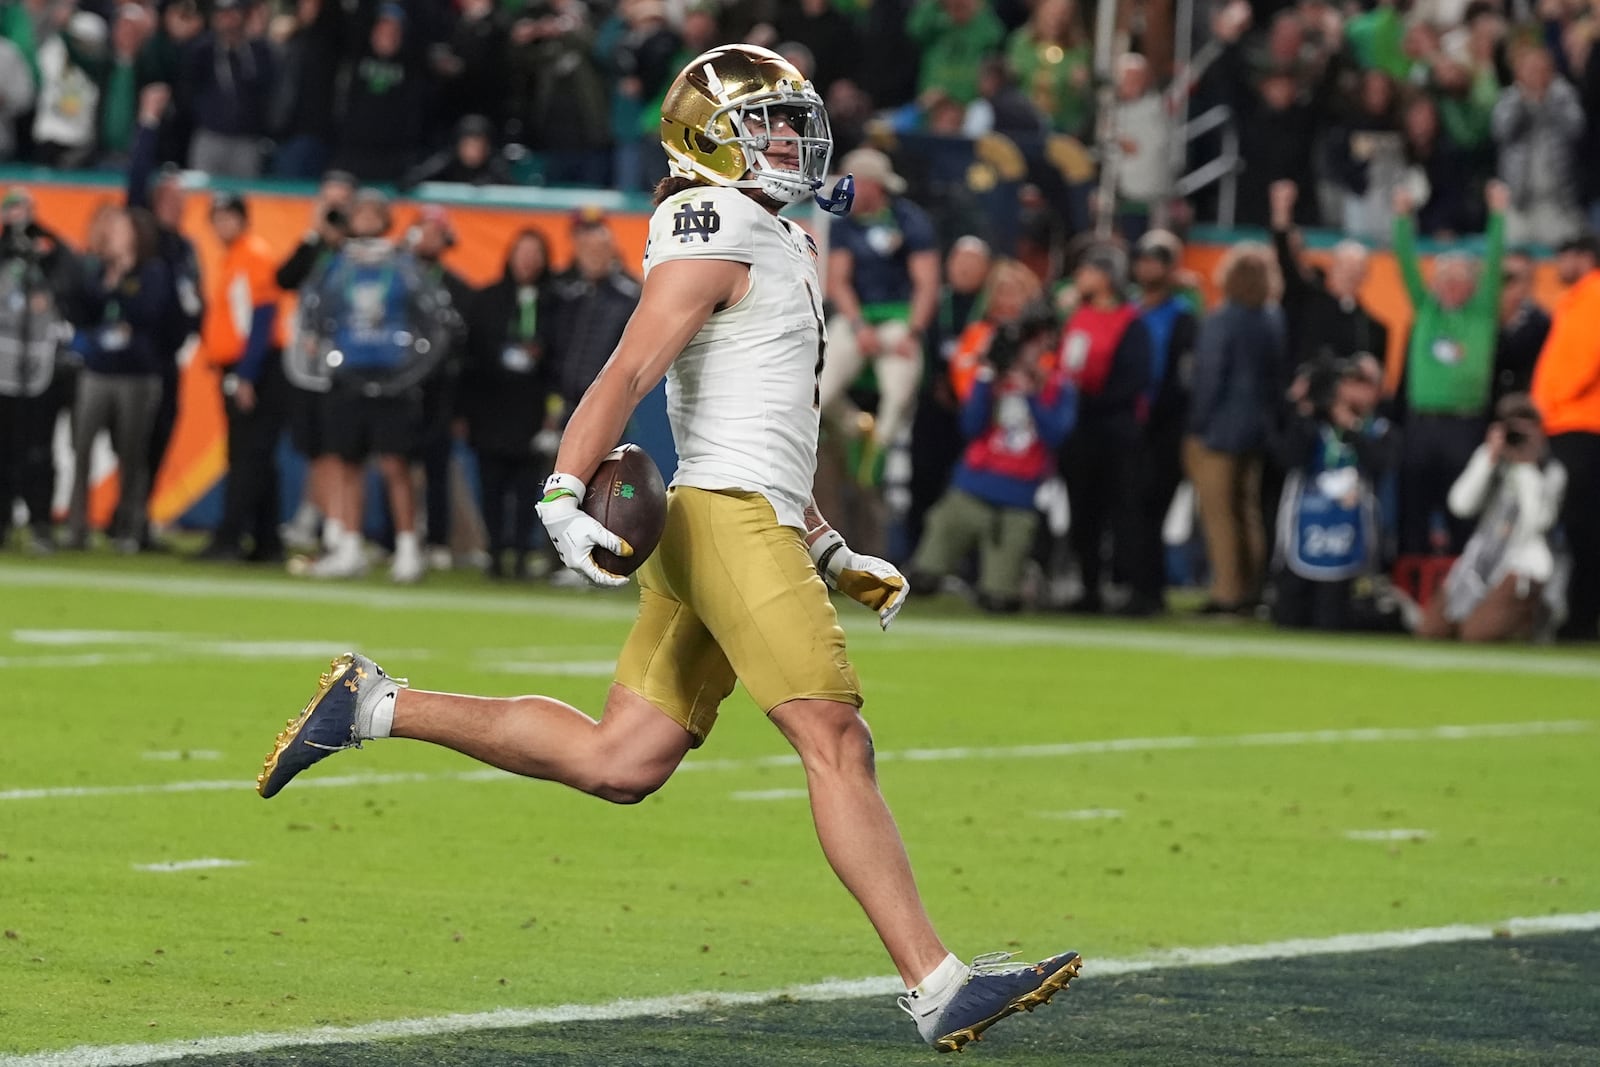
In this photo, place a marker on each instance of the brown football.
(627, 497)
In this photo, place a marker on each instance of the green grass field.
(1122, 790)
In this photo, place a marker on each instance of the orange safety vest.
(244, 281)
(1566, 380)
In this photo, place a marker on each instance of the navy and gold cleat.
(994, 989)
(329, 723)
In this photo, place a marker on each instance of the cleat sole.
(291, 730)
(956, 1040)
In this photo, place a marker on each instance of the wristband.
(827, 557)
(559, 485)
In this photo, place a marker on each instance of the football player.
(731, 313)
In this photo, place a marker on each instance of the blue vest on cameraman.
(1327, 524)
(374, 310)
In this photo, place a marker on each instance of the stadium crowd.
(1022, 420)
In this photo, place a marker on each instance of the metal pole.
(1106, 122)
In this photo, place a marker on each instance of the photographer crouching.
(1335, 449)
(1019, 411)
(1514, 489)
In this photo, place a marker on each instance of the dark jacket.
(307, 256)
(1237, 378)
(446, 166)
(308, 78)
(1516, 352)
(1169, 405)
(227, 90)
(586, 323)
(380, 107)
(187, 306)
(1317, 321)
(119, 331)
(507, 377)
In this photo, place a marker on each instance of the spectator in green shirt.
(1448, 378)
(1049, 57)
(955, 36)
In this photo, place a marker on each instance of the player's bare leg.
(624, 757)
(857, 831)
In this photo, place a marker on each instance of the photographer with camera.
(1017, 414)
(1334, 448)
(35, 273)
(1514, 488)
(330, 226)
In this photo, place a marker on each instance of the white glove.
(577, 534)
(868, 580)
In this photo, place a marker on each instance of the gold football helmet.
(729, 107)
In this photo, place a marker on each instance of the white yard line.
(833, 989)
(1291, 739)
(909, 632)
(771, 794)
(174, 866)
(1397, 834)
(1082, 814)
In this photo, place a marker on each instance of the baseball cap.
(871, 165)
(1161, 245)
(588, 217)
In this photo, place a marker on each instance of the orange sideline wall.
(196, 458)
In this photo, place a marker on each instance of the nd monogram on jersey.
(742, 395)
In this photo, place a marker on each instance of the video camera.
(1323, 375)
(1010, 338)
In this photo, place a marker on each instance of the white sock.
(375, 712)
(935, 991)
(332, 534)
(407, 544)
(351, 545)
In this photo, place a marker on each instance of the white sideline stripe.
(772, 794)
(832, 989)
(910, 755)
(1397, 834)
(306, 592)
(188, 865)
(1399, 653)
(908, 633)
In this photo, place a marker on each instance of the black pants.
(251, 503)
(1097, 463)
(1434, 451)
(510, 490)
(437, 447)
(1302, 604)
(1156, 476)
(1579, 453)
(166, 422)
(936, 447)
(27, 473)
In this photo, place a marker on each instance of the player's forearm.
(597, 424)
(816, 525)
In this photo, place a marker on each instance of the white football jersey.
(742, 396)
